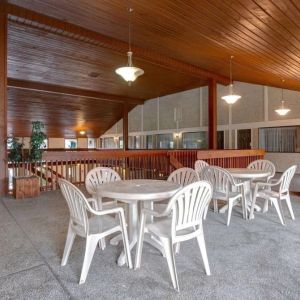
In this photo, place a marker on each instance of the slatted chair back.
(220, 179)
(183, 176)
(263, 165)
(286, 179)
(188, 206)
(98, 176)
(77, 204)
(200, 165)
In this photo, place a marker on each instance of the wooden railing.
(132, 164)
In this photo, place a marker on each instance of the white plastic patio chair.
(183, 176)
(224, 188)
(266, 191)
(93, 229)
(186, 209)
(97, 177)
(263, 165)
(200, 165)
(94, 179)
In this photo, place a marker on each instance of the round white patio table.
(131, 192)
(246, 175)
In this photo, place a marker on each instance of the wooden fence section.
(231, 158)
(132, 164)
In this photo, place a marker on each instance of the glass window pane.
(70, 143)
(194, 140)
(278, 139)
(165, 141)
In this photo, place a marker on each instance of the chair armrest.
(238, 184)
(106, 211)
(93, 202)
(268, 184)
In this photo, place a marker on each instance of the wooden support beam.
(125, 127)
(64, 90)
(212, 114)
(50, 24)
(3, 99)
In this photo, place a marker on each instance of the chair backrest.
(188, 206)
(286, 179)
(220, 179)
(98, 176)
(200, 165)
(77, 204)
(263, 165)
(183, 176)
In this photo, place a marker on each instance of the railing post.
(3, 100)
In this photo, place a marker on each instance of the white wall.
(253, 111)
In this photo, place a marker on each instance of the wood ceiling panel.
(63, 116)
(36, 55)
(263, 35)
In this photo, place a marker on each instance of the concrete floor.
(257, 259)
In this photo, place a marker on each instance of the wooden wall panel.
(3, 98)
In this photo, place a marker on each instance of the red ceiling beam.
(43, 22)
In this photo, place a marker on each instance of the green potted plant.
(15, 149)
(37, 141)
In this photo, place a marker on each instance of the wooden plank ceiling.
(264, 37)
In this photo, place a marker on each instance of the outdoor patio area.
(251, 259)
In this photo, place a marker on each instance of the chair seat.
(222, 196)
(268, 194)
(163, 228)
(97, 224)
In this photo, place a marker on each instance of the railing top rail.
(208, 154)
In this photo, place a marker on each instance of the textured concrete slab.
(258, 259)
(16, 251)
(32, 284)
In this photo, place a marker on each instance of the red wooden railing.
(132, 164)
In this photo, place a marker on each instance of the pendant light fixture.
(282, 111)
(231, 97)
(129, 73)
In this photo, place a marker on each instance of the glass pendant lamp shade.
(231, 98)
(129, 73)
(282, 111)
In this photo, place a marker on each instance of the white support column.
(201, 107)
(229, 126)
(235, 138)
(142, 137)
(266, 104)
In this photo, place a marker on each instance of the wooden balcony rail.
(132, 164)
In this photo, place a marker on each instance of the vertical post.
(3, 98)
(125, 126)
(212, 114)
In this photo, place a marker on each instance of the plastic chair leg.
(201, 243)
(230, 205)
(90, 247)
(277, 205)
(289, 205)
(171, 262)
(68, 246)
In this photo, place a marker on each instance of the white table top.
(245, 173)
(138, 189)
